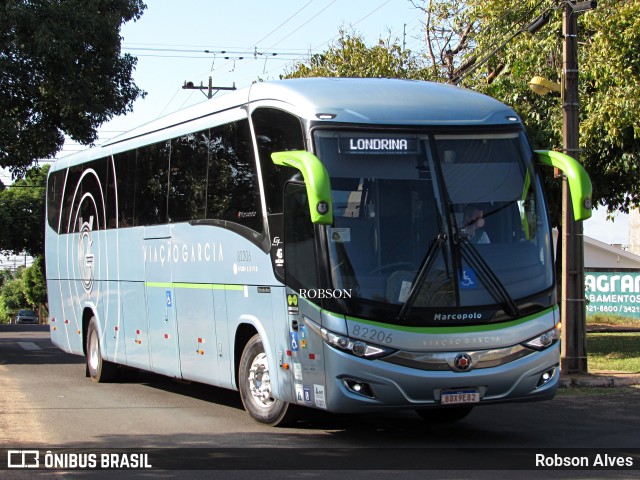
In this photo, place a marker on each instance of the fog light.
(545, 378)
(359, 388)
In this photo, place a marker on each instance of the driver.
(474, 225)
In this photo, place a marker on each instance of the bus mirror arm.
(579, 182)
(316, 180)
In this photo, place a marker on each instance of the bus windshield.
(426, 224)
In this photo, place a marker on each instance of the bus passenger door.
(199, 351)
(163, 334)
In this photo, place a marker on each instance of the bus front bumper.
(358, 385)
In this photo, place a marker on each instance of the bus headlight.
(545, 340)
(346, 344)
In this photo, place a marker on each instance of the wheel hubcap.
(94, 351)
(260, 382)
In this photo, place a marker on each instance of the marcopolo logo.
(322, 293)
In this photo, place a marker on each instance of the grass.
(615, 351)
(613, 320)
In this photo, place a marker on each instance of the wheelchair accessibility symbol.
(468, 279)
(295, 345)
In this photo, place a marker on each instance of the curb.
(602, 380)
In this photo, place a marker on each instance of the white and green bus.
(353, 245)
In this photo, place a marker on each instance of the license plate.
(456, 397)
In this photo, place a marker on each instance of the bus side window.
(127, 182)
(299, 248)
(276, 131)
(232, 186)
(152, 188)
(54, 198)
(188, 177)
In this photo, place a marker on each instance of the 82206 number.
(373, 334)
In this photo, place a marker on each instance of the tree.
(447, 29)
(62, 73)
(609, 82)
(22, 213)
(12, 293)
(351, 57)
(34, 284)
(25, 288)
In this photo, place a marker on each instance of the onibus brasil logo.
(85, 257)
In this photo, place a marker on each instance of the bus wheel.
(98, 369)
(255, 387)
(444, 415)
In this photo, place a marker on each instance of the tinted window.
(89, 195)
(151, 187)
(276, 131)
(55, 187)
(188, 177)
(126, 174)
(70, 193)
(210, 174)
(95, 193)
(299, 249)
(233, 192)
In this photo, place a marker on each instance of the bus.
(350, 245)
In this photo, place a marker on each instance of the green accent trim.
(458, 330)
(195, 286)
(579, 183)
(316, 179)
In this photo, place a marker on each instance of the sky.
(183, 41)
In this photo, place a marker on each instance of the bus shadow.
(195, 390)
(364, 429)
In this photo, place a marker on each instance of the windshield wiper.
(429, 258)
(488, 277)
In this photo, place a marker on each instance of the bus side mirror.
(580, 187)
(316, 180)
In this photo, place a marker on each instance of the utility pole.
(572, 306)
(210, 88)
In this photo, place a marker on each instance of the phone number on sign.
(613, 309)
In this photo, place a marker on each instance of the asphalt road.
(46, 402)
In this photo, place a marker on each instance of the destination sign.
(378, 145)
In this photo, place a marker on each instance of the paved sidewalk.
(599, 379)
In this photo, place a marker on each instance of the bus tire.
(98, 369)
(444, 415)
(255, 387)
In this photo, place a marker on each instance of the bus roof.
(385, 101)
(342, 100)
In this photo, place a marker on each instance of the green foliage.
(22, 213)
(26, 288)
(34, 283)
(62, 73)
(609, 84)
(351, 57)
(13, 294)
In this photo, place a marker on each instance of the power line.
(305, 23)
(499, 44)
(283, 23)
